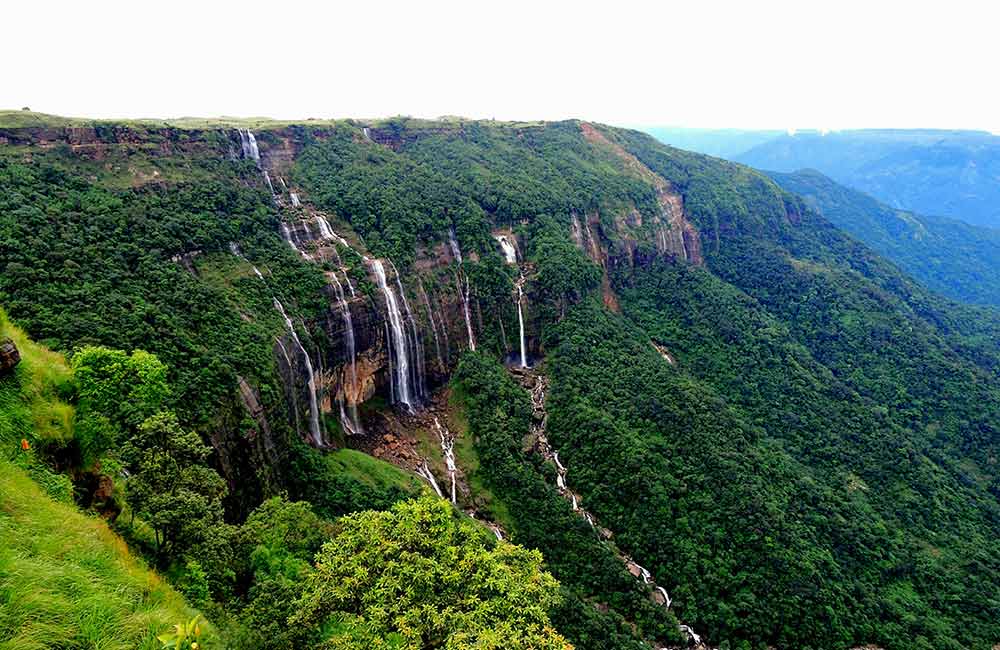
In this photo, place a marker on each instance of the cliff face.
(398, 338)
(357, 354)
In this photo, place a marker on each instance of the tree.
(119, 390)
(171, 487)
(418, 577)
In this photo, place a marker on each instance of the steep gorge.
(717, 362)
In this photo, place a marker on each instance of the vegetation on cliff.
(797, 439)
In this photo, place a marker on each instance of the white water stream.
(314, 427)
(463, 289)
(448, 450)
(400, 371)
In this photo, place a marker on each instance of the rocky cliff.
(9, 356)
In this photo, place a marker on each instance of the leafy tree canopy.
(418, 577)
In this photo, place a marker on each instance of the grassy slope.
(66, 581)
(30, 407)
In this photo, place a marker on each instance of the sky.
(698, 63)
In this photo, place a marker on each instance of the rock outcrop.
(9, 356)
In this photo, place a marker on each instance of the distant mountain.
(947, 255)
(950, 173)
(721, 143)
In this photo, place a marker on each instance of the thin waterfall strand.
(403, 392)
(314, 427)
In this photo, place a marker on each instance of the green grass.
(67, 581)
(31, 399)
(372, 471)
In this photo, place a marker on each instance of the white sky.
(755, 64)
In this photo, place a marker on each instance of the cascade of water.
(388, 360)
(366, 132)
(434, 330)
(425, 472)
(416, 368)
(349, 419)
(286, 234)
(538, 408)
(267, 179)
(314, 427)
(463, 290)
(666, 596)
(403, 392)
(456, 252)
(464, 293)
(448, 449)
(691, 634)
(295, 199)
(509, 252)
(520, 321)
(326, 232)
(249, 144)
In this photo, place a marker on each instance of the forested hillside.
(669, 402)
(949, 256)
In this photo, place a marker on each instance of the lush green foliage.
(66, 581)
(500, 416)
(170, 486)
(818, 470)
(958, 260)
(417, 577)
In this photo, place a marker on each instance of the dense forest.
(773, 424)
(946, 255)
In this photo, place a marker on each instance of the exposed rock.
(9, 356)
(670, 230)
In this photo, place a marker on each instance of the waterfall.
(448, 449)
(267, 179)
(295, 199)
(456, 252)
(349, 419)
(691, 634)
(509, 252)
(286, 234)
(314, 427)
(520, 322)
(400, 371)
(510, 255)
(463, 290)
(430, 317)
(537, 391)
(249, 144)
(425, 472)
(365, 131)
(418, 367)
(326, 232)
